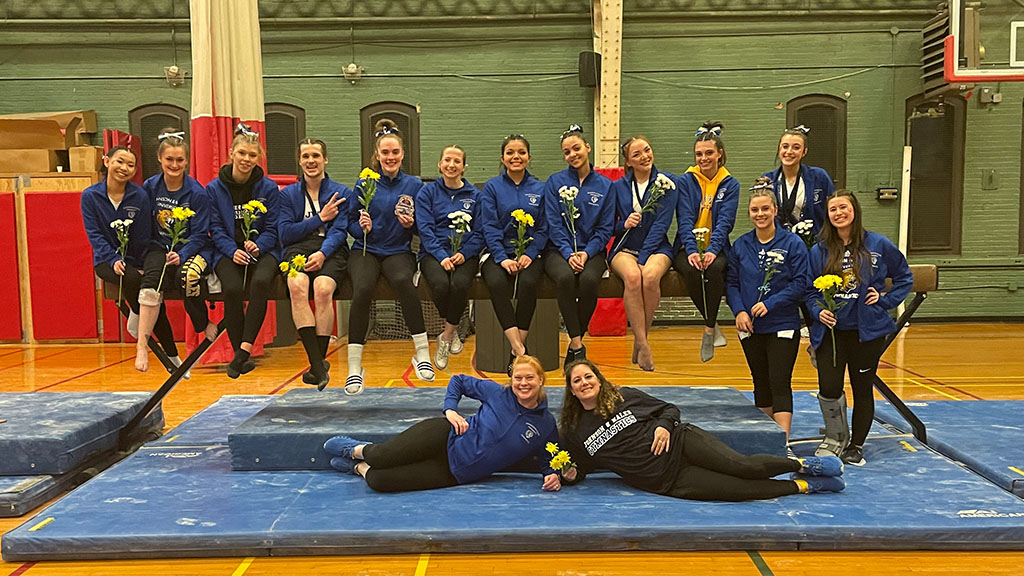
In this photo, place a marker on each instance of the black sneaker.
(854, 456)
(309, 378)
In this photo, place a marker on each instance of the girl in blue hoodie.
(383, 233)
(861, 324)
(800, 191)
(510, 278)
(706, 213)
(450, 243)
(513, 425)
(581, 214)
(765, 285)
(183, 265)
(239, 260)
(115, 198)
(641, 252)
(313, 226)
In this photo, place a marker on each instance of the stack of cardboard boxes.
(49, 142)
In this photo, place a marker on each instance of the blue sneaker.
(344, 464)
(341, 446)
(821, 466)
(813, 484)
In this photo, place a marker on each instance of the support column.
(607, 23)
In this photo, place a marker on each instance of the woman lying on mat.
(513, 424)
(641, 439)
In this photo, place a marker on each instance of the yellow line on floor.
(1017, 470)
(389, 383)
(933, 389)
(243, 567)
(172, 438)
(421, 565)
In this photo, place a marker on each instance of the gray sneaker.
(707, 347)
(719, 337)
(441, 354)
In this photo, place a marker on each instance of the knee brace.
(837, 428)
(149, 297)
(191, 274)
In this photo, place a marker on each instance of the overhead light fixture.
(353, 72)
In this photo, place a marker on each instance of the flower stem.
(832, 331)
(364, 242)
(703, 294)
(161, 282)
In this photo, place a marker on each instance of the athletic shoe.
(133, 324)
(854, 456)
(821, 466)
(234, 370)
(354, 383)
(441, 354)
(424, 370)
(341, 446)
(814, 484)
(343, 464)
(707, 347)
(829, 447)
(309, 378)
(457, 345)
(719, 337)
(177, 362)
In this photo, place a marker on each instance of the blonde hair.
(534, 363)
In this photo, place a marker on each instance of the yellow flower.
(368, 174)
(560, 460)
(529, 220)
(293, 273)
(552, 448)
(519, 215)
(181, 213)
(299, 261)
(827, 281)
(283, 266)
(256, 206)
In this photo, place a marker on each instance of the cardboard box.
(28, 160)
(85, 158)
(43, 134)
(87, 118)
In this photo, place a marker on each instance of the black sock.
(309, 341)
(325, 342)
(241, 356)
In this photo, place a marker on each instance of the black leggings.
(195, 306)
(861, 359)
(450, 290)
(577, 293)
(416, 459)
(243, 324)
(771, 361)
(398, 270)
(714, 285)
(130, 295)
(502, 285)
(711, 470)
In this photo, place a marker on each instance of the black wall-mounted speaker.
(590, 69)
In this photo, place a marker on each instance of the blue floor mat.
(289, 434)
(169, 501)
(986, 436)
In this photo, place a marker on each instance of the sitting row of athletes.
(640, 258)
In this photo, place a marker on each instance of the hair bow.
(166, 135)
(715, 129)
(801, 128)
(242, 128)
(384, 131)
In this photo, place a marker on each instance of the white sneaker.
(424, 370)
(133, 324)
(441, 354)
(457, 344)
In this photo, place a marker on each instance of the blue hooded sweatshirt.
(297, 221)
(97, 214)
(433, 204)
(651, 236)
(818, 187)
(723, 213)
(870, 321)
(500, 434)
(191, 195)
(501, 197)
(596, 206)
(225, 213)
(387, 237)
(785, 290)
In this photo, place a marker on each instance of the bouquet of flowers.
(560, 460)
(828, 285)
(367, 190)
(294, 266)
(175, 223)
(460, 224)
(567, 194)
(703, 237)
(251, 211)
(805, 230)
(121, 228)
(662, 184)
(772, 260)
(521, 241)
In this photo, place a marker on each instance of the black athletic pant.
(771, 361)
(502, 285)
(195, 306)
(711, 470)
(714, 285)
(450, 290)
(243, 324)
(577, 293)
(861, 359)
(416, 459)
(398, 270)
(130, 295)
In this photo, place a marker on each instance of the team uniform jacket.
(433, 204)
(500, 197)
(387, 236)
(297, 222)
(651, 236)
(596, 206)
(224, 215)
(785, 291)
(98, 213)
(817, 186)
(723, 213)
(191, 195)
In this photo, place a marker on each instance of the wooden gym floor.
(928, 362)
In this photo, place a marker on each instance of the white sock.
(355, 359)
(422, 347)
(133, 324)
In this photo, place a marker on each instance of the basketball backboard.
(986, 41)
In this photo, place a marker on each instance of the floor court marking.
(243, 566)
(421, 564)
(13, 352)
(36, 359)
(297, 376)
(759, 562)
(936, 390)
(932, 380)
(22, 569)
(405, 377)
(83, 374)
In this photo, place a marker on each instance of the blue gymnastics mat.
(986, 436)
(289, 434)
(168, 501)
